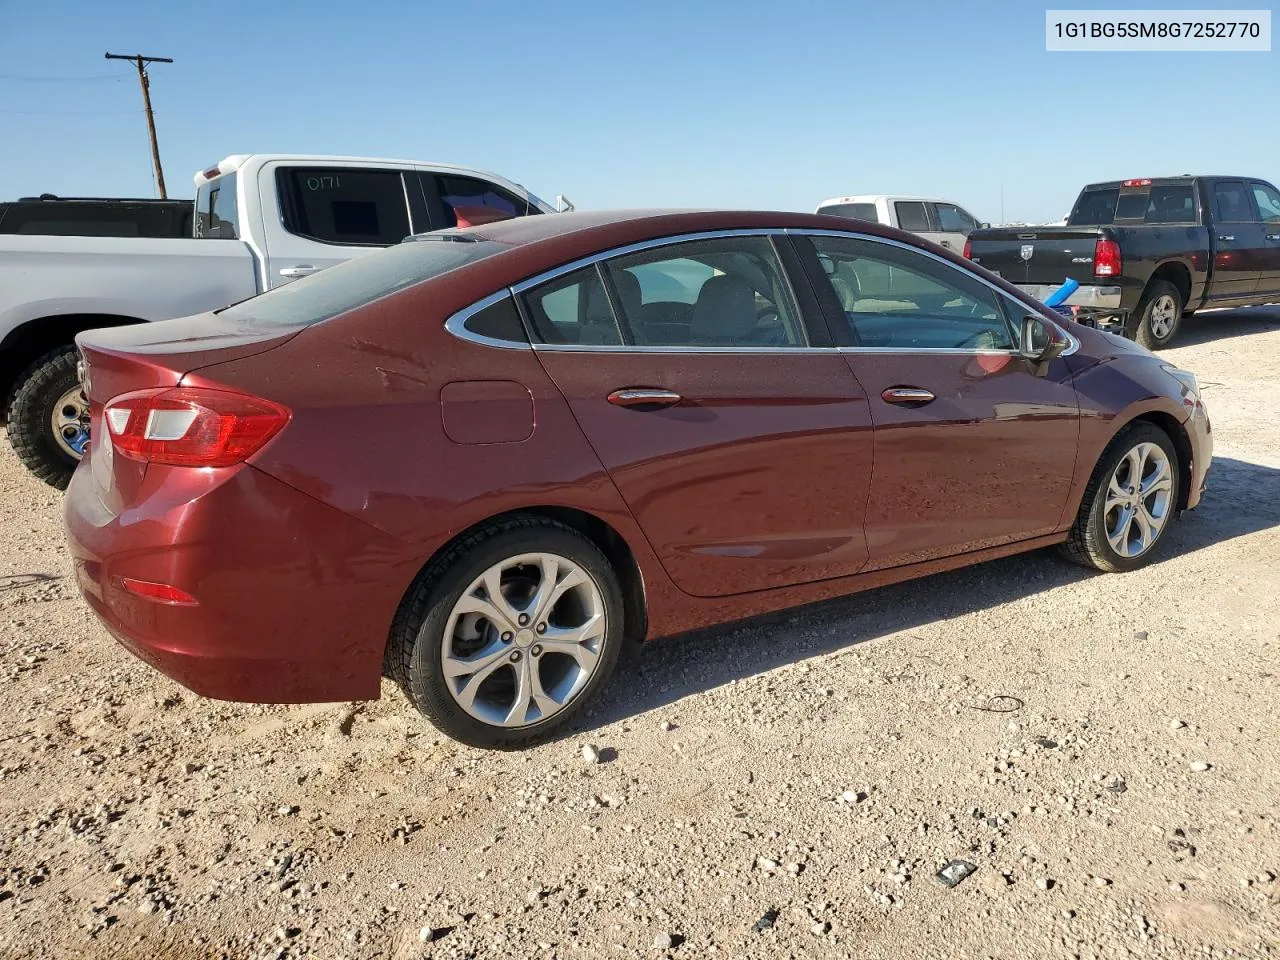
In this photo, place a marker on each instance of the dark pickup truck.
(1148, 252)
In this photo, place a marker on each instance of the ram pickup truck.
(260, 221)
(1149, 251)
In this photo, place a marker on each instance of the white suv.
(943, 222)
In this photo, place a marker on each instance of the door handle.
(945, 243)
(644, 397)
(301, 270)
(907, 395)
(1273, 236)
(1227, 238)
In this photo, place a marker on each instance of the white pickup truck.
(275, 218)
(945, 223)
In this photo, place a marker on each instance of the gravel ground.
(785, 788)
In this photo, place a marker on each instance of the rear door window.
(468, 201)
(1173, 203)
(349, 207)
(1233, 203)
(912, 216)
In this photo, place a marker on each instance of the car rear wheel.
(1131, 499)
(1159, 315)
(508, 635)
(49, 418)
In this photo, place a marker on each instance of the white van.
(943, 222)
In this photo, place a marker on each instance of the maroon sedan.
(483, 460)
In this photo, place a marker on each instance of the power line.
(141, 62)
(26, 79)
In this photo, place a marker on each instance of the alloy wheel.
(1139, 500)
(523, 640)
(1164, 316)
(70, 422)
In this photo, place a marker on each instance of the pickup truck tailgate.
(1036, 255)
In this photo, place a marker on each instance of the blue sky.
(620, 103)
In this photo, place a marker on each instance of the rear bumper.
(294, 598)
(1092, 297)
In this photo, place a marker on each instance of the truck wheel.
(48, 418)
(1159, 315)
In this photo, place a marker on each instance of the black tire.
(1153, 299)
(417, 633)
(31, 413)
(1087, 544)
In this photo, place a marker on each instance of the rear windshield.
(858, 211)
(215, 209)
(366, 278)
(1163, 203)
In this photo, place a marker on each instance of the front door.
(743, 451)
(1238, 241)
(974, 446)
(954, 225)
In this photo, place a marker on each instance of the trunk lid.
(1037, 255)
(118, 360)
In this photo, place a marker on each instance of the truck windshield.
(353, 284)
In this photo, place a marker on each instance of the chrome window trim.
(457, 324)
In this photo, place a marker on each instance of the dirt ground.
(786, 788)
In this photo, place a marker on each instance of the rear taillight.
(968, 249)
(1106, 259)
(191, 426)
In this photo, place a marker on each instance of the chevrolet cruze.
(482, 461)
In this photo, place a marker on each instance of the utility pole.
(141, 62)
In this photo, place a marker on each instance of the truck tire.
(46, 417)
(1159, 315)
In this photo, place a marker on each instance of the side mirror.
(984, 225)
(563, 204)
(1041, 340)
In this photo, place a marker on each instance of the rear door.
(329, 214)
(708, 388)
(1267, 200)
(974, 446)
(1239, 242)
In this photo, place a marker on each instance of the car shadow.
(1242, 498)
(1210, 325)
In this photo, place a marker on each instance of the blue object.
(1059, 296)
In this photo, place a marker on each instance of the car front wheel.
(1131, 499)
(510, 633)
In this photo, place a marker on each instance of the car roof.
(653, 224)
